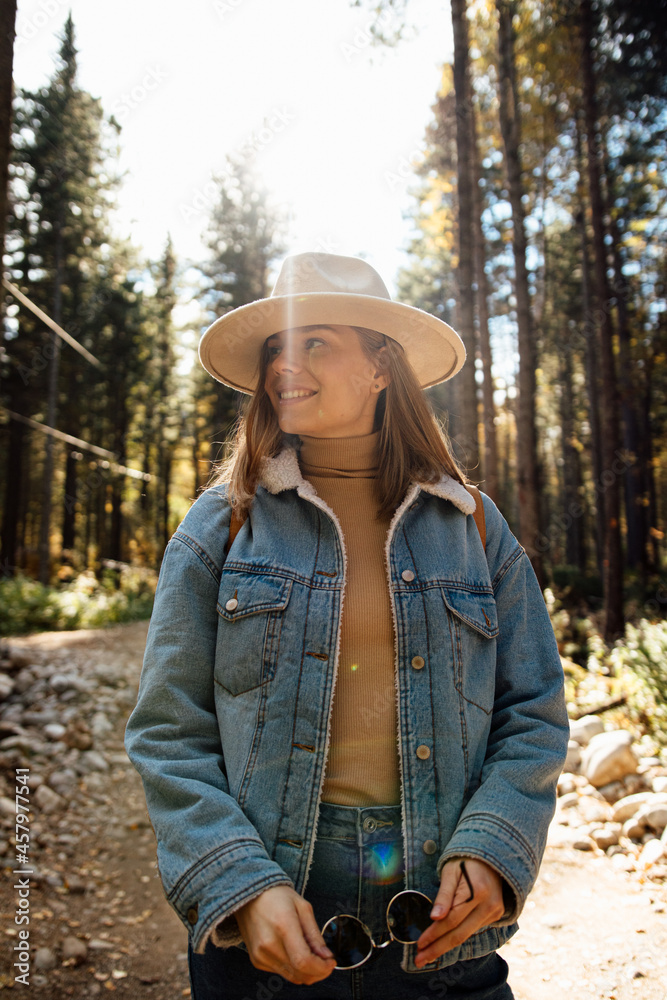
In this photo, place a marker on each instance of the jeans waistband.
(364, 824)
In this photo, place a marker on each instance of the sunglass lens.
(347, 939)
(408, 916)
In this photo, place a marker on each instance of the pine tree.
(57, 236)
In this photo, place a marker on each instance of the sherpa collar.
(283, 473)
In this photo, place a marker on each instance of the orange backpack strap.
(478, 513)
(234, 527)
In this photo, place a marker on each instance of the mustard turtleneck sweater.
(363, 763)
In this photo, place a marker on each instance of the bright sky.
(338, 122)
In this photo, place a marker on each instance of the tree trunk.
(69, 503)
(575, 550)
(590, 360)
(7, 34)
(490, 463)
(527, 464)
(51, 411)
(635, 485)
(467, 436)
(609, 486)
(11, 505)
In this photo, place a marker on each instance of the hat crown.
(305, 273)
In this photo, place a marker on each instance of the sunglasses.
(408, 915)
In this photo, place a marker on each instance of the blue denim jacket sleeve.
(173, 740)
(505, 821)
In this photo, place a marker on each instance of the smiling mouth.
(296, 394)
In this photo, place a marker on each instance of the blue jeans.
(357, 868)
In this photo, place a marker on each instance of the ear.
(381, 377)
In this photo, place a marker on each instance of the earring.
(377, 385)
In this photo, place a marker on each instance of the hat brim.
(229, 349)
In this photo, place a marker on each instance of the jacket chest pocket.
(473, 628)
(250, 617)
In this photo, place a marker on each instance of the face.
(321, 383)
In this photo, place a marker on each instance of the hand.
(461, 915)
(282, 936)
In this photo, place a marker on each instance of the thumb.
(311, 931)
(449, 879)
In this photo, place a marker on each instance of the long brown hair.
(412, 444)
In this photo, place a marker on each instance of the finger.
(307, 964)
(480, 915)
(449, 880)
(450, 938)
(312, 933)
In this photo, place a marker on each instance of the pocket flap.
(243, 594)
(475, 609)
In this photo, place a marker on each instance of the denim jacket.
(231, 727)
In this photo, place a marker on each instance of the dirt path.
(588, 930)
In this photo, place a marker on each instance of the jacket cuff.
(490, 839)
(218, 885)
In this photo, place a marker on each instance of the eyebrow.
(307, 329)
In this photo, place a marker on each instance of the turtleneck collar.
(342, 458)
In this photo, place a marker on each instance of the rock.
(573, 758)
(583, 844)
(24, 681)
(18, 659)
(659, 784)
(73, 947)
(634, 783)
(633, 830)
(568, 801)
(614, 791)
(654, 816)
(78, 735)
(64, 782)
(566, 784)
(54, 731)
(652, 851)
(75, 884)
(6, 686)
(100, 725)
(61, 682)
(7, 807)
(582, 730)
(47, 800)
(623, 863)
(608, 757)
(631, 804)
(594, 809)
(44, 959)
(607, 835)
(91, 760)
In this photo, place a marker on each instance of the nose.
(287, 360)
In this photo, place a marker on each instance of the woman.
(361, 700)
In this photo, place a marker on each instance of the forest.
(538, 231)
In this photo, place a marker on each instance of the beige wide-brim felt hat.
(327, 289)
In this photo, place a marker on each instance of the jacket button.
(418, 662)
(430, 847)
(232, 604)
(408, 575)
(193, 913)
(423, 752)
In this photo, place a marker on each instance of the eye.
(273, 350)
(313, 342)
